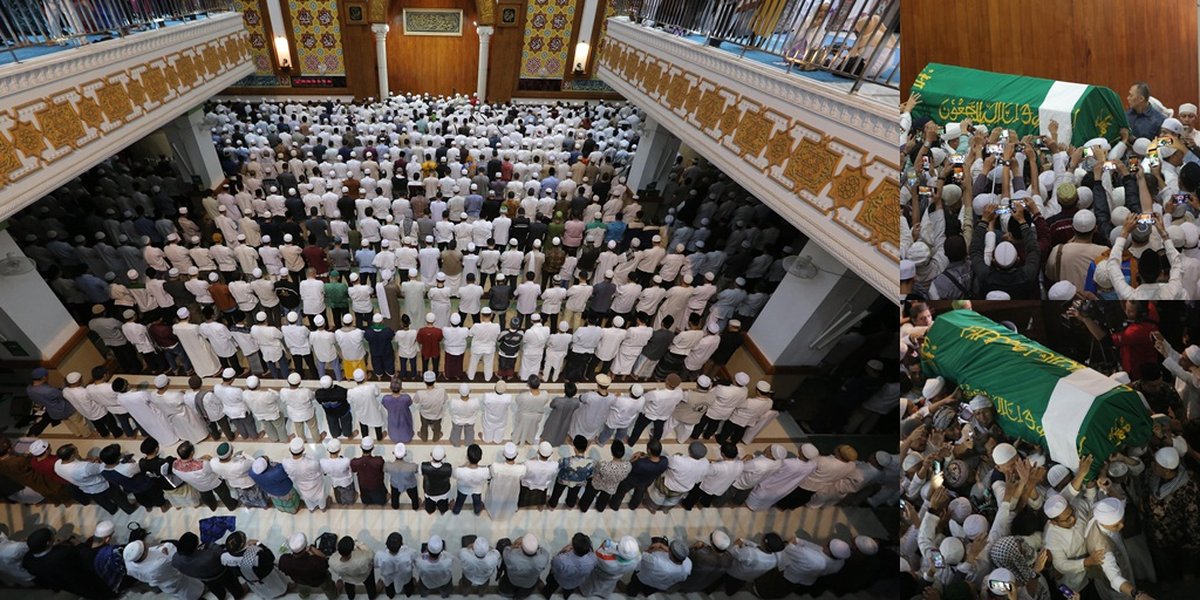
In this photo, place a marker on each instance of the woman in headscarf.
(1026, 564)
(256, 564)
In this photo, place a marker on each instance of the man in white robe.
(141, 407)
(152, 566)
(200, 354)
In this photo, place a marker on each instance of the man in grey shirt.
(435, 569)
(524, 562)
(108, 330)
(600, 304)
(663, 566)
(709, 564)
(402, 477)
(571, 566)
(339, 258)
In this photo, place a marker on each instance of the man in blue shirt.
(57, 408)
(1144, 121)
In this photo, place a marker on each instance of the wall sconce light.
(582, 49)
(283, 53)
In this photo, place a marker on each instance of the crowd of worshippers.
(108, 564)
(986, 213)
(551, 448)
(987, 516)
(321, 265)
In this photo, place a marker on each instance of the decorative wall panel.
(317, 33)
(549, 25)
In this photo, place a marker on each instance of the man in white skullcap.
(479, 563)
(1183, 365)
(726, 399)
(1004, 274)
(1065, 539)
(152, 565)
(306, 474)
(434, 568)
(199, 353)
(1071, 262)
(1116, 578)
(524, 562)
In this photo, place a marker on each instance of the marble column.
(191, 140)
(485, 42)
(655, 153)
(381, 30)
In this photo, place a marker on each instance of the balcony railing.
(29, 23)
(854, 39)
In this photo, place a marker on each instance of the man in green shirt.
(336, 296)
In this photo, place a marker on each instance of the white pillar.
(34, 325)
(191, 142)
(655, 152)
(793, 329)
(485, 42)
(381, 30)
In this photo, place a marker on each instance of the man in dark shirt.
(307, 566)
(60, 567)
(332, 399)
(318, 228)
(656, 347)
(1144, 120)
(731, 340)
(519, 230)
(289, 294)
(600, 303)
(646, 467)
(430, 339)
(435, 481)
(204, 563)
(174, 286)
(314, 256)
(369, 470)
(709, 564)
(501, 296)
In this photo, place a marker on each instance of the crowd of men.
(986, 213)
(547, 448)
(501, 239)
(100, 566)
(987, 516)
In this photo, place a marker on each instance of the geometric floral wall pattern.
(318, 36)
(811, 165)
(260, 43)
(546, 53)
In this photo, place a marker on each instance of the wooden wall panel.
(504, 66)
(1101, 42)
(431, 64)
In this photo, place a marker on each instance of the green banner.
(950, 94)
(1040, 396)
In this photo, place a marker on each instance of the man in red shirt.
(315, 257)
(430, 339)
(369, 470)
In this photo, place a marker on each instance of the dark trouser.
(412, 495)
(637, 588)
(128, 425)
(176, 358)
(107, 426)
(127, 357)
(408, 368)
(426, 362)
(441, 506)
(508, 590)
(227, 582)
(528, 497)
(342, 426)
(799, 497)
(572, 495)
(374, 495)
(737, 496)
(361, 321)
(246, 426)
(216, 427)
(430, 424)
(656, 430)
(731, 432)
(552, 586)
(639, 492)
(551, 321)
(338, 313)
(367, 277)
(209, 498)
(602, 499)
(384, 366)
(231, 362)
(112, 499)
(299, 360)
(706, 428)
(151, 498)
(454, 366)
(476, 503)
(366, 431)
(444, 590)
(697, 496)
(154, 362)
(408, 589)
(576, 366)
(369, 584)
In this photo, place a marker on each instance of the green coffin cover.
(1040, 395)
(950, 94)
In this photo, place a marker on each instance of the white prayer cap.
(161, 381)
(257, 273)
(975, 525)
(912, 459)
(1005, 254)
(464, 390)
(866, 545)
(545, 449)
(399, 450)
(609, 274)
(933, 387)
(1109, 511)
(283, 271)
(326, 382)
(1191, 234)
(997, 294)
(1084, 221)
(1193, 354)
(347, 319)
(359, 375)
(529, 544)
(839, 549)
(297, 542)
(183, 313)
(367, 443)
(429, 377)
(438, 453)
(319, 321)
(618, 321)
(38, 447)
(883, 458)
(1003, 453)
(510, 450)
(480, 547)
(74, 377)
(287, 238)
(412, 273)
(563, 326)
(809, 451)
(435, 545)
(1119, 215)
(1118, 469)
(1180, 445)
(228, 373)
(636, 390)
(741, 378)
(1055, 505)
(952, 550)
(292, 317)
(979, 403)
(103, 529)
(908, 269)
(134, 551)
(1120, 377)
(1062, 291)
(1057, 474)
(628, 548)
(430, 317)
(377, 318)
(960, 508)
(333, 445)
(1173, 125)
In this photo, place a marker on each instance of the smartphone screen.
(1087, 153)
(938, 560)
(999, 587)
(1147, 218)
(925, 192)
(1180, 198)
(1067, 593)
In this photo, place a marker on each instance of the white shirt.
(235, 472)
(469, 298)
(219, 338)
(684, 472)
(472, 480)
(622, 411)
(351, 343)
(463, 412)
(324, 345)
(296, 338)
(721, 474)
(552, 300)
(300, 403)
(661, 403)
(483, 337)
(85, 402)
(338, 471)
(263, 404)
(539, 474)
(454, 340)
(527, 296)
